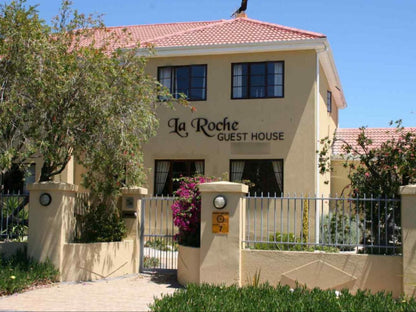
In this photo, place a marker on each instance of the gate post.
(222, 232)
(408, 216)
(52, 221)
(131, 213)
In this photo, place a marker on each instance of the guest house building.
(264, 95)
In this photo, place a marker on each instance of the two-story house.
(264, 95)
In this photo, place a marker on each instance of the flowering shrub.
(187, 210)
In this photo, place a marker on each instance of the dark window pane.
(198, 71)
(261, 175)
(257, 81)
(257, 92)
(258, 69)
(274, 79)
(198, 83)
(197, 94)
(275, 91)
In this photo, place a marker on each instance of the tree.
(378, 172)
(67, 90)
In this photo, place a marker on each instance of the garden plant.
(18, 273)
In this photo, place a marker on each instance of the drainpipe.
(317, 123)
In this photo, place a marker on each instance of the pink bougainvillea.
(187, 210)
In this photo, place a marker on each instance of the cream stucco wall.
(325, 270)
(294, 115)
(85, 262)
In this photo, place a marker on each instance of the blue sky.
(373, 41)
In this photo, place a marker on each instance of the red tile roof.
(377, 135)
(236, 31)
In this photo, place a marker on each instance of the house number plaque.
(220, 222)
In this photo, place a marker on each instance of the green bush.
(150, 262)
(288, 241)
(267, 298)
(162, 245)
(341, 229)
(101, 225)
(18, 273)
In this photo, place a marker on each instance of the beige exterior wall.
(328, 122)
(325, 270)
(85, 262)
(294, 115)
(339, 178)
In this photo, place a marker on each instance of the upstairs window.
(258, 80)
(329, 101)
(189, 80)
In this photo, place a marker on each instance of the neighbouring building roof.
(377, 135)
(235, 31)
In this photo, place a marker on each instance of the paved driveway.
(130, 293)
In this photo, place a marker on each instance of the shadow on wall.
(86, 262)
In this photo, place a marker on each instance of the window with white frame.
(258, 80)
(188, 80)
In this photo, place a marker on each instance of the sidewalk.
(130, 293)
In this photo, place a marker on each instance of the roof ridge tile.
(219, 22)
(284, 27)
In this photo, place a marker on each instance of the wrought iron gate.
(158, 249)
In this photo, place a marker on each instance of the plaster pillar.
(51, 226)
(220, 254)
(131, 212)
(408, 216)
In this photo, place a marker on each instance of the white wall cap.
(408, 190)
(52, 186)
(134, 190)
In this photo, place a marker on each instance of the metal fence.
(14, 216)
(82, 205)
(158, 248)
(335, 224)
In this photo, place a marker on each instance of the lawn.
(18, 273)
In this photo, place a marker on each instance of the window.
(189, 80)
(168, 170)
(329, 101)
(265, 175)
(258, 80)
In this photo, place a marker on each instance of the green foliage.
(150, 262)
(288, 242)
(255, 280)
(264, 297)
(65, 93)
(378, 171)
(14, 224)
(18, 273)
(162, 245)
(101, 225)
(339, 229)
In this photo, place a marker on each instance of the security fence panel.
(159, 251)
(365, 225)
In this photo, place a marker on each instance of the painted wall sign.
(223, 130)
(220, 222)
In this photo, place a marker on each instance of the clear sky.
(373, 41)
